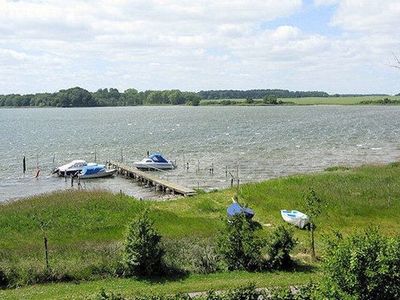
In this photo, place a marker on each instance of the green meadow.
(85, 230)
(345, 100)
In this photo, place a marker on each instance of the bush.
(205, 259)
(191, 255)
(248, 292)
(363, 267)
(238, 244)
(143, 251)
(306, 292)
(279, 245)
(271, 99)
(108, 296)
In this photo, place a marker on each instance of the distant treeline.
(258, 94)
(78, 97)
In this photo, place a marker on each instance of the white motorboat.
(70, 168)
(295, 217)
(96, 171)
(155, 161)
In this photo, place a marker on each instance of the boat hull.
(106, 173)
(295, 218)
(154, 166)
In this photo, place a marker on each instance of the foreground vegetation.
(86, 230)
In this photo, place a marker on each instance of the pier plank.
(154, 180)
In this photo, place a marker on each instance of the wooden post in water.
(72, 180)
(24, 165)
(122, 156)
(95, 156)
(237, 178)
(226, 171)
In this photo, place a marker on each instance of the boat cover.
(157, 157)
(236, 208)
(89, 170)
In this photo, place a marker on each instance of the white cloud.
(189, 44)
(325, 2)
(368, 16)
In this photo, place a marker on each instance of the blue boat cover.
(89, 170)
(157, 157)
(235, 209)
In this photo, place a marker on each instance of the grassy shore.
(86, 229)
(132, 287)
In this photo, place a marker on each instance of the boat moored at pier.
(155, 161)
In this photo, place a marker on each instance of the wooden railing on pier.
(150, 179)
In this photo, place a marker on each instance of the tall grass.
(86, 229)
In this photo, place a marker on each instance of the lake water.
(262, 142)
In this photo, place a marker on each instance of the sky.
(337, 46)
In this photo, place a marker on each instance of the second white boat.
(155, 161)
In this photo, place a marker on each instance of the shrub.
(108, 296)
(363, 267)
(143, 251)
(191, 255)
(279, 245)
(271, 99)
(238, 244)
(305, 292)
(248, 292)
(205, 259)
(249, 100)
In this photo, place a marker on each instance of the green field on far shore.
(345, 100)
(86, 230)
(336, 100)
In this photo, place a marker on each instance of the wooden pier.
(150, 180)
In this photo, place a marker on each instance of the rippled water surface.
(262, 142)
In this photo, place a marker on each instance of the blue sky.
(338, 46)
(310, 18)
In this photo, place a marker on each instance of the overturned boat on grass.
(295, 218)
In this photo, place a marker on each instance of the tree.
(279, 245)
(238, 244)
(249, 100)
(75, 97)
(313, 208)
(270, 99)
(364, 266)
(143, 251)
(131, 97)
